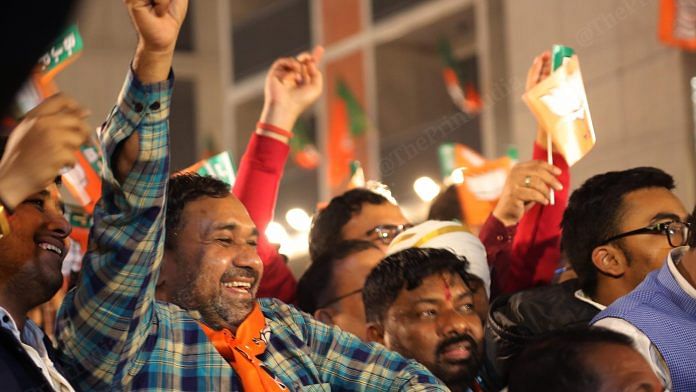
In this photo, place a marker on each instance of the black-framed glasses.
(339, 298)
(386, 233)
(677, 233)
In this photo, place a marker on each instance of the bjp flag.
(559, 103)
(677, 25)
(82, 183)
(347, 124)
(481, 181)
(218, 166)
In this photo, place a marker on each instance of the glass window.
(274, 29)
(182, 121)
(384, 8)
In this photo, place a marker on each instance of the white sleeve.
(642, 344)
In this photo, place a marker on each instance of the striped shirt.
(114, 335)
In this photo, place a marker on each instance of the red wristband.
(272, 128)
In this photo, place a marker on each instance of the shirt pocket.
(316, 387)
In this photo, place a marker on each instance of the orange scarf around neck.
(241, 351)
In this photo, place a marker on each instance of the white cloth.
(641, 342)
(449, 235)
(31, 339)
(586, 298)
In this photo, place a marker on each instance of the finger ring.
(528, 181)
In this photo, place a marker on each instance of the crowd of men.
(180, 289)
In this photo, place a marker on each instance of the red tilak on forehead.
(448, 292)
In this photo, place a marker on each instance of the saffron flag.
(64, 51)
(559, 104)
(82, 183)
(347, 122)
(466, 98)
(304, 151)
(677, 25)
(479, 181)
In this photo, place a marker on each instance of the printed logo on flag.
(559, 104)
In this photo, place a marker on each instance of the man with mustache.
(214, 334)
(419, 303)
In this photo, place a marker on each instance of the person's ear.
(166, 276)
(375, 333)
(324, 315)
(610, 260)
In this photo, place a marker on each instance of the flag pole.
(549, 159)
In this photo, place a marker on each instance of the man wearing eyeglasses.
(660, 314)
(331, 288)
(618, 227)
(358, 214)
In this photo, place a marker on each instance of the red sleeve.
(256, 186)
(527, 255)
(497, 239)
(537, 243)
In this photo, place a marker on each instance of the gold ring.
(528, 181)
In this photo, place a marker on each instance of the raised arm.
(523, 232)
(104, 321)
(292, 85)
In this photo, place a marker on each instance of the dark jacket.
(515, 320)
(17, 370)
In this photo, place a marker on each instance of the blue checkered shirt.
(114, 335)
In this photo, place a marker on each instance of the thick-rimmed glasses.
(386, 233)
(677, 233)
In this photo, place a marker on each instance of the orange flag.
(482, 180)
(678, 24)
(341, 146)
(559, 103)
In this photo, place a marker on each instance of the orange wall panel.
(341, 19)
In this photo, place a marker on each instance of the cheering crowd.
(180, 290)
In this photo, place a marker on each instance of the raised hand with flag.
(559, 104)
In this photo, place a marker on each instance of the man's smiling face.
(217, 268)
(33, 253)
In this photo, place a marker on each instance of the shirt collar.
(30, 335)
(673, 259)
(586, 298)
(8, 323)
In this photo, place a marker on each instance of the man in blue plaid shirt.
(113, 333)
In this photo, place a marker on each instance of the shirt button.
(155, 105)
(139, 107)
(500, 237)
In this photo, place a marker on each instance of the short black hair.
(556, 362)
(594, 214)
(446, 207)
(692, 231)
(183, 189)
(328, 222)
(406, 270)
(316, 286)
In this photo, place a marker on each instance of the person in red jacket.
(292, 85)
(522, 235)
